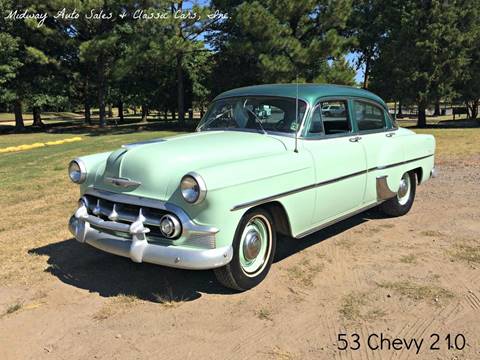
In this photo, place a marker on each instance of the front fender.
(234, 188)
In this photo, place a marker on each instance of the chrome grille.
(127, 213)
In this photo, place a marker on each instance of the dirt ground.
(409, 278)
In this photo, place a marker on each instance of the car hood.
(159, 165)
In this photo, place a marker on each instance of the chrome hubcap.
(403, 188)
(251, 245)
(403, 193)
(255, 245)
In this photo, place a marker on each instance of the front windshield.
(277, 114)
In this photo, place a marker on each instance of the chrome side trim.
(327, 182)
(403, 162)
(121, 182)
(286, 193)
(383, 191)
(189, 227)
(334, 221)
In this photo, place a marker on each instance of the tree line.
(414, 52)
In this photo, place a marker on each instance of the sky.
(351, 58)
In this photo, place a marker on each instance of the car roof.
(308, 92)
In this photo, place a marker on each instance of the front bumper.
(138, 249)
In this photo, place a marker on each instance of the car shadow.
(288, 246)
(108, 275)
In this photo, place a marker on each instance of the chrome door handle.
(389, 134)
(355, 139)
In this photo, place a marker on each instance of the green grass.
(455, 143)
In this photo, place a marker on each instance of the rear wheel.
(253, 250)
(401, 203)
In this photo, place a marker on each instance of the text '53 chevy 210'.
(265, 160)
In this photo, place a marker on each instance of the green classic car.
(265, 160)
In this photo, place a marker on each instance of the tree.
(276, 41)
(422, 53)
(367, 26)
(29, 65)
(467, 85)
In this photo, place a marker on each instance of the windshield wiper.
(257, 119)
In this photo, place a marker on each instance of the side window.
(369, 116)
(316, 126)
(334, 115)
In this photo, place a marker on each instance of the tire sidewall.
(244, 281)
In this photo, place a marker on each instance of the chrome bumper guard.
(84, 227)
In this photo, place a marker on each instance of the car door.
(339, 159)
(378, 136)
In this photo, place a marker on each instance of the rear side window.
(369, 116)
(334, 118)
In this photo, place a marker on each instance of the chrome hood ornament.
(121, 182)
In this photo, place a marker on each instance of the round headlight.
(170, 226)
(193, 188)
(77, 171)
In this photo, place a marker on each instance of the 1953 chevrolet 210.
(265, 160)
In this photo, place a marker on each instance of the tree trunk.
(367, 70)
(87, 113)
(467, 107)
(86, 104)
(144, 113)
(101, 91)
(422, 116)
(472, 108)
(37, 119)
(180, 92)
(17, 109)
(202, 112)
(165, 112)
(475, 109)
(190, 114)
(173, 115)
(110, 111)
(135, 110)
(120, 111)
(437, 108)
(399, 114)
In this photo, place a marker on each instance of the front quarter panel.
(246, 181)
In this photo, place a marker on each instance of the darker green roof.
(307, 92)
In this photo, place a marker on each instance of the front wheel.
(253, 251)
(401, 203)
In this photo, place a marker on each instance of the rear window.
(369, 116)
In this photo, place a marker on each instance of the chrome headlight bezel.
(81, 170)
(193, 182)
